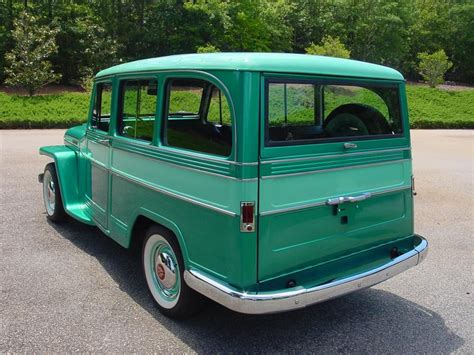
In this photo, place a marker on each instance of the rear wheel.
(163, 267)
(52, 195)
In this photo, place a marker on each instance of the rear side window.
(197, 117)
(102, 107)
(310, 111)
(137, 109)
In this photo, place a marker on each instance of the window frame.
(209, 93)
(319, 82)
(93, 105)
(121, 83)
(203, 111)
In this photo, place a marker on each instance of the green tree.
(247, 25)
(207, 48)
(433, 67)
(460, 41)
(310, 21)
(330, 46)
(373, 30)
(84, 46)
(27, 63)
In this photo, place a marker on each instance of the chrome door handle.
(350, 145)
(103, 141)
(343, 199)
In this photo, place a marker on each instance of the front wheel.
(52, 195)
(163, 267)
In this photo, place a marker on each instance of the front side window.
(197, 117)
(102, 107)
(137, 109)
(306, 111)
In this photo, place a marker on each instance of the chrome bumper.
(299, 297)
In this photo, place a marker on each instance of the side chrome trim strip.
(182, 153)
(98, 164)
(317, 171)
(342, 155)
(188, 167)
(300, 297)
(71, 141)
(324, 202)
(169, 193)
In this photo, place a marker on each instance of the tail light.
(247, 217)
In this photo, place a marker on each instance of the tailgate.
(332, 182)
(299, 229)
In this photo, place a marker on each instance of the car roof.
(261, 62)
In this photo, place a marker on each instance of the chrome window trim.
(317, 171)
(324, 202)
(341, 155)
(169, 193)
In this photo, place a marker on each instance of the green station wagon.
(265, 182)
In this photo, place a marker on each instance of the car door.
(97, 153)
(335, 176)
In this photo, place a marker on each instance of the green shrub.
(432, 67)
(208, 48)
(330, 46)
(43, 111)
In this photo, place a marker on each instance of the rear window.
(299, 112)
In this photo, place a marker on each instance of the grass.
(428, 108)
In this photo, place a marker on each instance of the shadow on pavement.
(372, 320)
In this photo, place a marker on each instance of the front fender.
(66, 163)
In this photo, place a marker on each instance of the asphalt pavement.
(66, 288)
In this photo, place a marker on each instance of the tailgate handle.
(343, 199)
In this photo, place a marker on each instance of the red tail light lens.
(247, 213)
(247, 216)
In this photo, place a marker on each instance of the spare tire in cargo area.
(355, 120)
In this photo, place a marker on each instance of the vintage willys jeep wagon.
(266, 182)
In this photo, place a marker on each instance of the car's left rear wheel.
(163, 266)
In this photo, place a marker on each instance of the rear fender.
(163, 221)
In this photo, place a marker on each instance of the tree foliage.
(330, 46)
(94, 34)
(433, 67)
(28, 64)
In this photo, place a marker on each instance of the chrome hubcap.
(166, 271)
(49, 193)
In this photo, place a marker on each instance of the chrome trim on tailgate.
(299, 297)
(324, 202)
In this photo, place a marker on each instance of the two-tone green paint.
(197, 196)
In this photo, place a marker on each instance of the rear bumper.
(299, 297)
